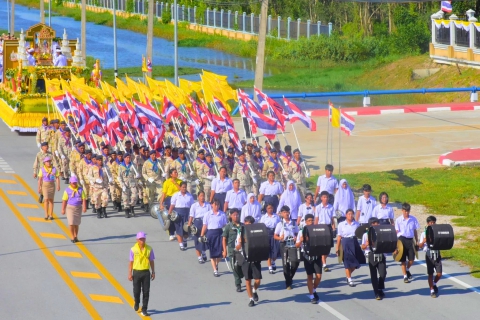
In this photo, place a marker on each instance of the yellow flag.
(191, 86)
(144, 91)
(74, 79)
(211, 90)
(132, 86)
(212, 75)
(144, 64)
(122, 87)
(156, 87)
(175, 94)
(52, 87)
(334, 116)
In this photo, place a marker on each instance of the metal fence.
(277, 27)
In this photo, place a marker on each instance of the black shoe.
(104, 212)
(433, 294)
(239, 288)
(315, 295)
(201, 261)
(255, 297)
(73, 241)
(132, 211)
(314, 300)
(185, 245)
(135, 307)
(119, 207)
(405, 280)
(251, 303)
(88, 202)
(215, 274)
(94, 210)
(381, 293)
(378, 297)
(204, 257)
(409, 275)
(183, 248)
(76, 240)
(351, 284)
(99, 213)
(271, 271)
(435, 288)
(50, 218)
(127, 213)
(145, 313)
(274, 267)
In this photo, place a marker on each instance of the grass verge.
(443, 191)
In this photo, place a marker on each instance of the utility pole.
(262, 36)
(12, 18)
(83, 30)
(175, 41)
(150, 33)
(42, 11)
(115, 67)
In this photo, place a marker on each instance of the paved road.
(45, 276)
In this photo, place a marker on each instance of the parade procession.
(211, 168)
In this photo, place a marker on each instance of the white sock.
(253, 290)
(404, 276)
(432, 291)
(310, 296)
(270, 268)
(324, 265)
(251, 299)
(199, 258)
(181, 245)
(349, 279)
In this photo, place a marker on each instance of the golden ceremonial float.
(23, 98)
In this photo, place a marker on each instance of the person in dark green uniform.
(230, 234)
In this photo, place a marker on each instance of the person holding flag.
(297, 173)
(153, 178)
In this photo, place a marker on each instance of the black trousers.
(378, 280)
(289, 268)
(141, 282)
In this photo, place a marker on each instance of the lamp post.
(262, 36)
(175, 40)
(115, 69)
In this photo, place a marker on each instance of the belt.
(406, 238)
(198, 219)
(352, 237)
(220, 193)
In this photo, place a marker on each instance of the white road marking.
(386, 158)
(334, 312)
(5, 167)
(460, 282)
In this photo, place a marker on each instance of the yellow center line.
(68, 254)
(18, 193)
(52, 235)
(8, 181)
(102, 298)
(37, 219)
(27, 205)
(88, 275)
(63, 274)
(103, 271)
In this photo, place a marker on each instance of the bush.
(129, 6)
(166, 17)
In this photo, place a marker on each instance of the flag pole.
(339, 143)
(328, 131)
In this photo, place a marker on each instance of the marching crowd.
(216, 189)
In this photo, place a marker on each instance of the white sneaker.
(172, 238)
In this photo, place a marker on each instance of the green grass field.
(444, 191)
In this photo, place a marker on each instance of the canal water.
(131, 46)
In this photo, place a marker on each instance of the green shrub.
(129, 6)
(167, 16)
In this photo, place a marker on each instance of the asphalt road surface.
(45, 276)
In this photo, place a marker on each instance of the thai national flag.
(295, 114)
(147, 113)
(149, 65)
(262, 99)
(62, 105)
(446, 6)
(169, 109)
(347, 123)
(267, 125)
(113, 124)
(82, 124)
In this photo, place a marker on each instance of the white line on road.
(386, 158)
(332, 311)
(460, 282)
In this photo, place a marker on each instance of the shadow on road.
(126, 236)
(186, 308)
